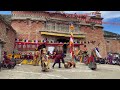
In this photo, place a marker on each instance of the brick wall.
(97, 36)
(8, 36)
(113, 46)
(26, 31)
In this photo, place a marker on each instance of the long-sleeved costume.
(36, 58)
(57, 59)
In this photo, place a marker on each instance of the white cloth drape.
(51, 49)
(98, 54)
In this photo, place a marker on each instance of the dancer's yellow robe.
(36, 58)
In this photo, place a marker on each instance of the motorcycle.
(8, 64)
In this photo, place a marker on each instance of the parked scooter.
(7, 63)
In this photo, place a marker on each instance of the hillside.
(107, 33)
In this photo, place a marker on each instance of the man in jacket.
(58, 58)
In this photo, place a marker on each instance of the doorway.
(65, 45)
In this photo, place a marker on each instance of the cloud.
(110, 14)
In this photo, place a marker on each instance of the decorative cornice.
(85, 24)
(94, 17)
(43, 18)
(40, 17)
(62, 32)
(23, 17)
(98, 26)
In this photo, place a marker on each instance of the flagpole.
(71, 37)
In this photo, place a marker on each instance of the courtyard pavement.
(80, 72)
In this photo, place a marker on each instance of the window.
(48, 26)
(59, 27)
(66, 28)
(52, 26)
(76, 28)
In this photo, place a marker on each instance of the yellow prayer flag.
(72, 27)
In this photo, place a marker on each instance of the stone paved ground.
(80, 72)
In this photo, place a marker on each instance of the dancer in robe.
(91, 60)
(44, 60)
(36, 58)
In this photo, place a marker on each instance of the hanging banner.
(51, 49)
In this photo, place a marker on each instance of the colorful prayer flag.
(71, 46)
(36, 41)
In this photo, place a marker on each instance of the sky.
(109, 16)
